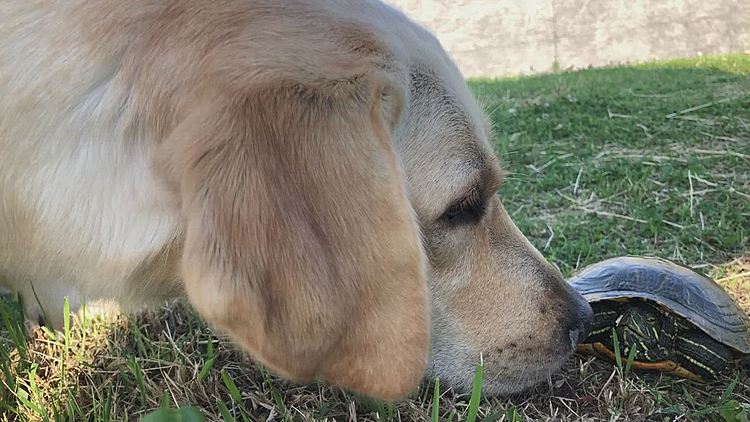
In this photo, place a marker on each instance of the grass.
(644, 160)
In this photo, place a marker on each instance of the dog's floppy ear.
(300, 241)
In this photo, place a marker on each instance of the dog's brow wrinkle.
(488, 176)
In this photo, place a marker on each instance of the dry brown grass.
(178, 357)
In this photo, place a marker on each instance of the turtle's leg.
(700, 354)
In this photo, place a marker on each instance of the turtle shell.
(688, 294)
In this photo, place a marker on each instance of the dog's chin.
(503, 385)
(507, 385)
(460, 376)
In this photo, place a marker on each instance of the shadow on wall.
(509, 37)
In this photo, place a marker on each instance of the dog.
(314, 176)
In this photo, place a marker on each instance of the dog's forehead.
(445, 145)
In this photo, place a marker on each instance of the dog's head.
(338, 189)
(493, 294)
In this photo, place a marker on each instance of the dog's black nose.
(575, 313)
(577, 336)
(579, 322)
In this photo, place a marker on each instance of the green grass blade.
(279, 401)
(73, 408)
(36, 297)
(182, 414)
(36, 395)
(631, 359)
(451, 415)
(729, 390)
(23, 397)
(164, 402)
(13, 322)
(206, 370)
(436, 401)
(476, 392)
(66, 324)
(210, 359)
(234, 392)
(51, 335)
(141, 341)
(512, 415)
(135, 368)
(66, 345)
(107, 407)
(616, 346)
(224, 411)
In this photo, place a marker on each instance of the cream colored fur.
(287, 166)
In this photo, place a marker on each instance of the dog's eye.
(467, 211)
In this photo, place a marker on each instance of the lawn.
(642, 160)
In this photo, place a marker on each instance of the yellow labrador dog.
(313, 175)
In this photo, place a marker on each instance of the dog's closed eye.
(468, 210)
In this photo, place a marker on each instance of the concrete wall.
(508, 37)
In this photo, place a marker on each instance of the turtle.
(668, 317)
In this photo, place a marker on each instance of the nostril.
(585, 321)
(581, 324)
(588, 316)
(574, 334)
(577, 336)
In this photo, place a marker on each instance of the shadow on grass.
(122, 369)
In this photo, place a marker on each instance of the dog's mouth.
(505, 377)
(520, 381)
(506, 386)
